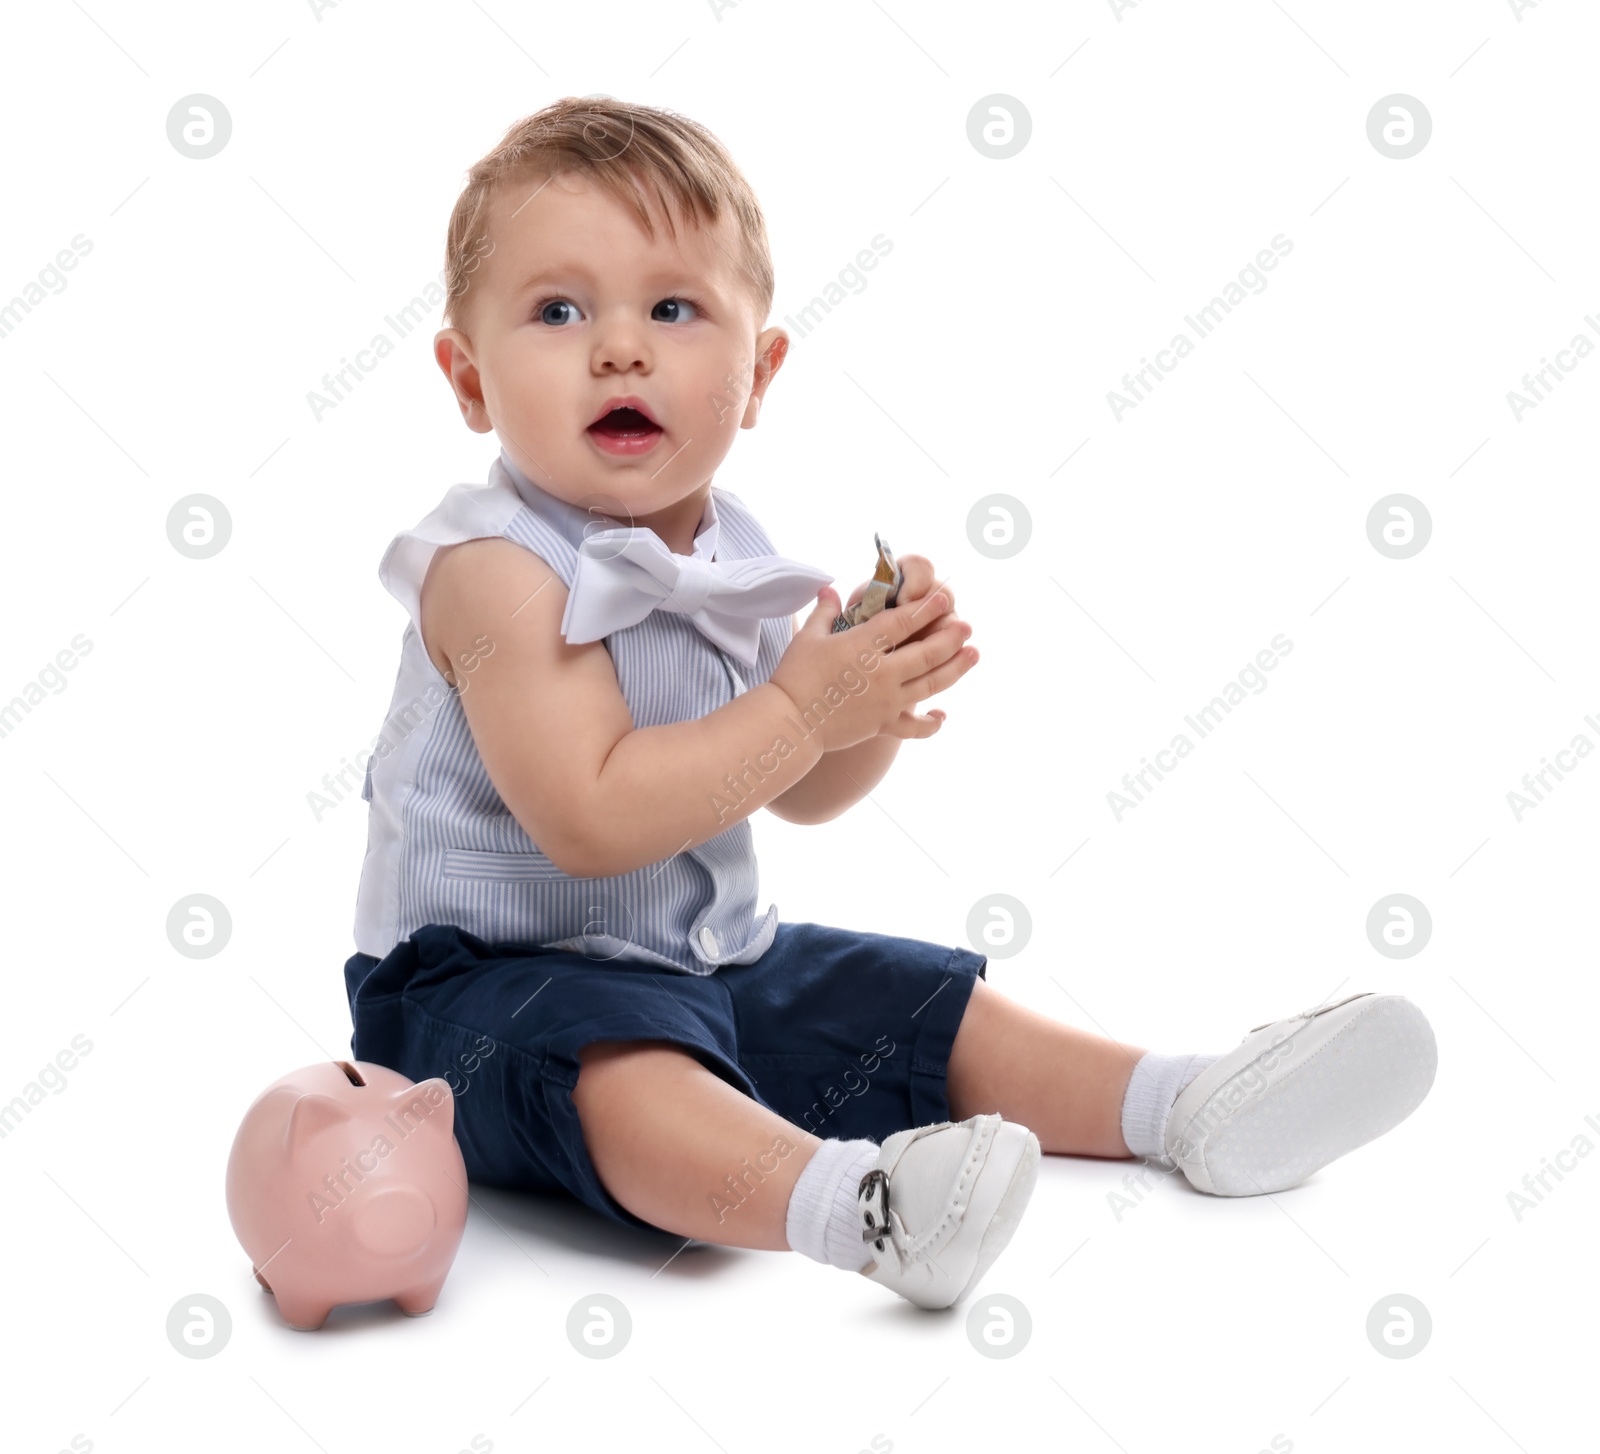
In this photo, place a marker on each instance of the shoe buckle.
(875, 1233)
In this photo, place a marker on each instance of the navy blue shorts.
(845, 1034)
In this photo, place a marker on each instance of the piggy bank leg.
(301, 1312)
(420, 1300)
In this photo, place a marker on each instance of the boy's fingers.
(903, 620)
(825, 610)
(915, 594)
(941, 677)
(916, 576)
(916, 658)
(927, 618)
(912, 724)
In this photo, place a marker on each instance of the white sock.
(823, 1221)
(1155, 1086)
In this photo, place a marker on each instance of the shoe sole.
(1007, 1213)
(1365, 1078)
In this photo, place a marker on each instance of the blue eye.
(544, 311)
(675, 303)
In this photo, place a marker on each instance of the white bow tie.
(626, 573)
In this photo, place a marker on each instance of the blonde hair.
(638, 154)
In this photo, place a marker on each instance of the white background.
(1169, 145)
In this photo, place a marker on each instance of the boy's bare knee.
(620, 1078)
(622, 1064)
(609, 1052)
(602, 1052)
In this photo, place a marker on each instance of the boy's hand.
(867, 681)
(918, 582)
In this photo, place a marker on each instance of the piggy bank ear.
(312, 1113)
(446, 1114)
(427, 1100)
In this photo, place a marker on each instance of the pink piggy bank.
(345, 1184)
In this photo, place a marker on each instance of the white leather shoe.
(1301, 1092)
(942, 1201)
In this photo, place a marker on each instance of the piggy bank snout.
(394, 1223)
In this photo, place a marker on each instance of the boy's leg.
(629, 1089)
(678, 1146)
(1293, 1095)
(683, 1149)
(1064, 1084)
(846, 1035)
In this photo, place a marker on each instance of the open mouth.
(625, 424)
(625, 432)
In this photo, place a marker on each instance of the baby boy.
(603, 680)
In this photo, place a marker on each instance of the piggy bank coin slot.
(351, 1073)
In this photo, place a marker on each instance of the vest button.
(708, 940)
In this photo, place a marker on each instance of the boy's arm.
(838, 782)
(843, 778)
(599, 796)
(827, 790)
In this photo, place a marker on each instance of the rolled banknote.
(882, 590)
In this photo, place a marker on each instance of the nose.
(622, 344)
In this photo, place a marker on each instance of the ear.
(772, 347)
(312, 1113)
(437, 1103)
(452, 351)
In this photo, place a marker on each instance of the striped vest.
(441, 845)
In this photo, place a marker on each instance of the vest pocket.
(470, 863)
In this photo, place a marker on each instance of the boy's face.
(572, 306)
